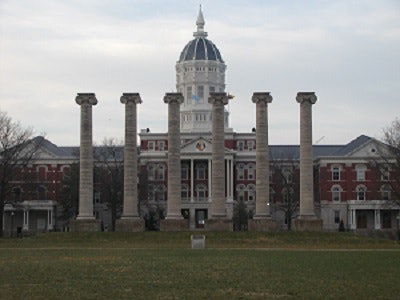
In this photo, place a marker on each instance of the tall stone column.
(219, 220)
(130, 220)
(174, 220)
(307, 219)
(85, 220)
(262, 220)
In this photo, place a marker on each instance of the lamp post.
(398, 226)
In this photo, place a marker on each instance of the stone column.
(307, 219)
(85, 220)
(130, 220)
(219, 220)
(262, 219)
(174, 220)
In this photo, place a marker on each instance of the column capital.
(173, 97)
(306, 96)
(261, 96)
(82, 98)
(222, 97)
(134, 97)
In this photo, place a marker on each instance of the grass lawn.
(156, 265)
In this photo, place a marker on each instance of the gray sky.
(348, 52)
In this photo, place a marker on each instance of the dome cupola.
(200, 48)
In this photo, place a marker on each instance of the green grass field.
(156, 265)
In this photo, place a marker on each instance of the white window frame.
(336, 193)
(336, 173)
(361, 171)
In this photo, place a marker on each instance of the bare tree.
(387, 161)
(69, 194)
(17, 150)
(285, 184)
(109, 172)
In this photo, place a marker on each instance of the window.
(41, 193)
(151, 146)
(201, 172)
(361, 192)
(212, 89)
(160, 172)
(250, 145)
(160, 194)
(385, 192)
(337, 216)
(17, 192)
(240, 172)
(201, 192)
(240, 145)
(188, 94)
(251, 192)
(200, 93)
(150, 172)
(287, 176)
(384, 173)
(271, 174)
(151, 192)
(250, 172)
(184, 172)
(240, 192)
(96, 197)
(161, 146)
(361, 169)
(335, 173)
(42, 173)
(184, 192)
(336, 193)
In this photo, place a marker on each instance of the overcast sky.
(348, 52)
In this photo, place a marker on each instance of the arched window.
(250, 172)
(201, 192)
(160, 172)
(287, 175)
(336, 193)
(41, 173)
(150, 172)
(361, 192)
(240, 192)
(160, 193)
(251, 192)
(184, 192)
(151, 192)
(201, 172)
(240, 171)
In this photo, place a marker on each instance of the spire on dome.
(200, 25)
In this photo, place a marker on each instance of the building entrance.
(201, 216)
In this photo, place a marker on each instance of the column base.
(218, 225)
(174, 225)
(264, 225)
(85, 225)
(307, 225)
(129, 225)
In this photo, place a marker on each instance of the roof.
(200, 48)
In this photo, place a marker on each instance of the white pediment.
(199, 145)
(371, 149)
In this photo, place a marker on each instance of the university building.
(349, 185)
